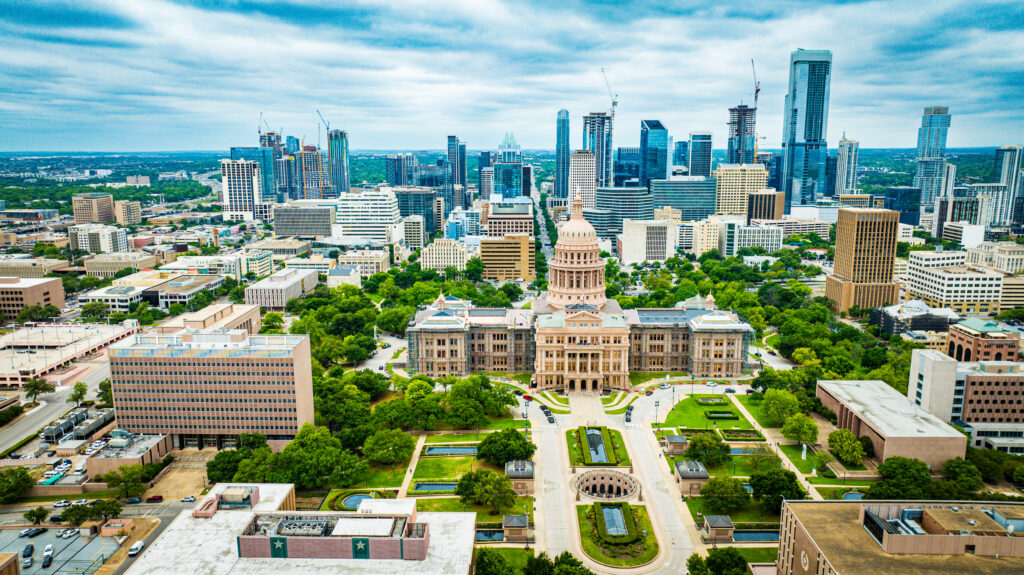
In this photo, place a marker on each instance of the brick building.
(17, 294)
(980, 340)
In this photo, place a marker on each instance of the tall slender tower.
(597, 138)
(931, 152)
(337, 150)
(846, 166)
(742, 126)
(700, 154)
(562, 154)
(865, 254)
(804, 128)
(582, 167)
(653, 151)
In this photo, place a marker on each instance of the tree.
(799, 427)
(771, 486)
(474, 269)
(777, 405)
(709, 449)
(176, 308)
(761, 457)
(37, 515)
(486, 488)
(491, 562)
(95, 310)
(504, 446)
(395, 320)
(14, 482)
(846, 447)
(696, 565)
(963, 473)
(726, 561)
(273, 320)
(867, 445)
(724, 494)
(36, 386)
(127, 480)
(224, 465)
(106, 394)
(107, 509)
(78, 393)
(902, 478)
(389, 447)
(76, 514)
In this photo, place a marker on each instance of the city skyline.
(167, 76)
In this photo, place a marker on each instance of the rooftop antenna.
(614, 97)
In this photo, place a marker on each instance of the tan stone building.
(107, 265)
(445, 252)
(734, 183)
(865, 250)
(93, 208)
(127, 212)
(17, 294)
(510, 258)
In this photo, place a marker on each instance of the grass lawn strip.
(448, 468)
(753, 408)
(804, 465)
(589, 537)
(759, 554)
(691, 415)
(636, 378)
(522, 506)
(612, 399)
(622, 408)
(553, 398)
(385, 476)
(836, 482)
(515, 556)
(750, 513)
(456, 438)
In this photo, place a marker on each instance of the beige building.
(415, 231)
(647, 241)
(865, 250)
(1006, 257)
(344, 275)
(108, 264)
(508, 219)
(583, 177)
(315, 262)
(17, 294)
(216, 316)
(446, 252)
(705, 236)
(668, 213)
(369, 262)
(733, 185)
(93, 208)
(22, 267)
(274, 291)
(511, 258)
(282, 248)
(127, 212)
(791, 226)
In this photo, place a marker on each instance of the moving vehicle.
(136, 548)
(711, 384)
(551, 419)
(649, 392)
(188, 499)
(155, 499)
(133, 500)
(629, 417)
(730, 390)
(81, 502)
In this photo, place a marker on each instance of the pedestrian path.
(404, 490)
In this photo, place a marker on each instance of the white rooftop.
(887, 410)
(363, 527)
(381, 506)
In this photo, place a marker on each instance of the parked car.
(51, 453)
(28, 562)
(528, 397)
(28, 551)
(26, 532)
(47, 561)
(649, 392)
(771, 352)
(664, 386)
(730, 390)
(519, 392)
(136, 548)
(551, 419)
(48, 550)
(155, 499)
(81, 502)
(629, 418)
(62, 503)
(133, 500)
(188, 499)
(56, 518)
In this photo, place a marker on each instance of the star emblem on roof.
(360, 545)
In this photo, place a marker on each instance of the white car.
(81, 502)
(712, 384)
(664, 386)
(188, 499)
(136, 548)
(48, 550)
(61, 503)
(90, 451)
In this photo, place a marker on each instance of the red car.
(528, 397)
(649, 392)
(155, 499)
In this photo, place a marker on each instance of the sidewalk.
(404, 490)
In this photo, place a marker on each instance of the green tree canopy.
(724, 494)
(709, 449)
(503, 446)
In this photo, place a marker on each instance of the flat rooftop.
(887, 410)
(216, 316)
(140, 445)
(9, 282)
(35, 348)
(207, 343)
(836, 529)
(209, 546)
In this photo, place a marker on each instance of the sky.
(152, 75)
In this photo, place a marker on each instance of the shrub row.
(8, 415)
(581, 435)
(627, 515)
(721, 415)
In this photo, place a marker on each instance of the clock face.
(805, 561)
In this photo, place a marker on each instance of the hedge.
(632, 533)
(710, 401)
(8, 415)
(721, 415)
(609, 450)
(742, 435)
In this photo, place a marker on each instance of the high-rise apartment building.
(398, 169)
(597, 138)
(242, 185)
(846, 166)
(653, 151)
(127, 212)
(864, 256)
(768, 205)
(681, 154)
(582, 176)
(93, 208)
(1008, 171)
(931, 152)
(97, 238)
(742, 133)
(949, 209)
(700, 154)
(562, 152)
(265, 157)
(417, 201)
(312, 165)
(337, 154)
(205, 387)
(734, 183)
(804, 129)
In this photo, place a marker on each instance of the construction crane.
(757, 85)
(259, 125)
(267, 124)
(327, 125)
(614, 97)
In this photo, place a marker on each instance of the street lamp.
(657, 412)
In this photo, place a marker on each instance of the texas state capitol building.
(574, 338)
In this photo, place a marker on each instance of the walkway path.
(412, 466)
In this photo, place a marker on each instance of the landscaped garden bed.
(742, 435)
(596, 446)
(617, 534)
(716, 400)
(343, 500)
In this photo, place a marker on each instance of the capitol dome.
(576, 272)
(577, 231)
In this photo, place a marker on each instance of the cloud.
(160, 75)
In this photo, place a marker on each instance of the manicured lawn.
(836, 492)
(523, 378)
(555, 398)
(804, 465)
(622, 406)
(688, 413)
(773, 341)
(751, 513)
(740, 466)
(759, 554)
(456, 438)
(443, 467)
(618, 448)
(497, 424)
(611, 398)
(397, 353)
(515, 556)
(753, 407)
(638, 377)
(595, 552)
(385, 476)
(838, 481)
(523, 505)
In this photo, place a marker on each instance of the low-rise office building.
(912, 315)
(304, 221)
(108, 264)
(344, 275)
(282, 248)
(647, 241)
(117, 298)
(981, 340)
(940, 279)
(216, 316)
(510, 218)
(316, 262)
(444, 253)
(17, 294)
(796, 226)
(274, 291)
(236, 265)
(96, 238)
(205, 387)
(369, 262)
(894, 424)
(182, 289)
(735, 236)
(19, 266)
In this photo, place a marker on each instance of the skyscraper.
(907, 201)
(597, 138)
(562, 154)
(241, 181)
(804, 129)
(398, 169)
(265, 158)
(846, 166)
(582, 165)
(508, 169)
(337, 152)
(700, 154)
(1008, 168)
(931, 152)
(627, 167)
(742, 130)
(485, 161)
(291, 145)
(681, 153)
(831, 166)
(456, 161)
(313, 165)
(865, 254)
(653, 151)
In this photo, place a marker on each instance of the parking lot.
(76, 555)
